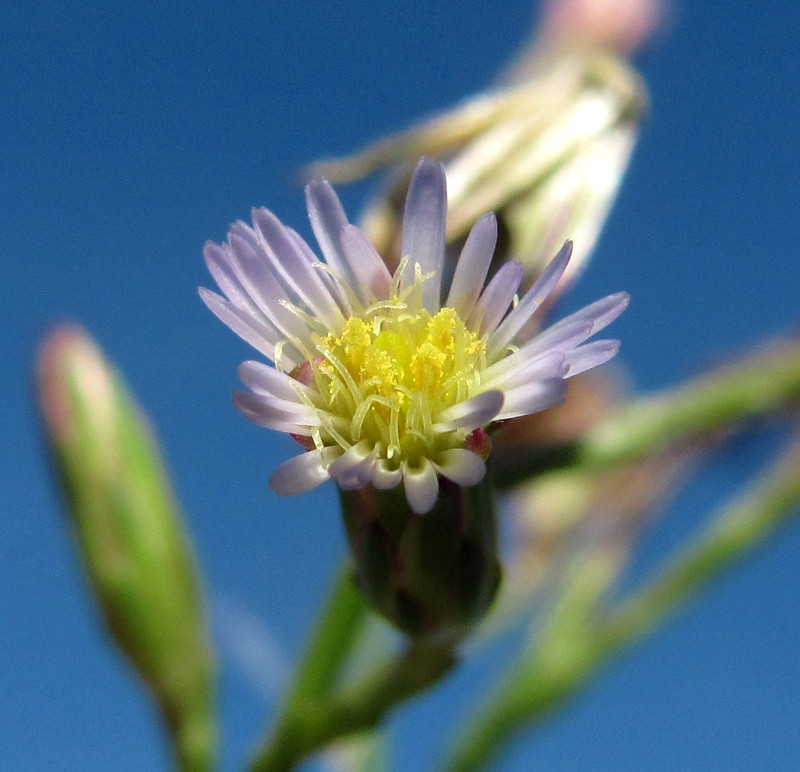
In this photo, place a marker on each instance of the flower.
(380, 379)
(545, 152)
(545, 147)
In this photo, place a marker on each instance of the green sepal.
(433, 575)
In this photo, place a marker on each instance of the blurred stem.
(193, 740)
(742, 525)
(755, 386)
(309, 726)
(366, 751)
(574, 643)
(331, 642)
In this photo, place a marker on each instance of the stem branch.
(556, 665)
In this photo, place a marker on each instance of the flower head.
(388, 378)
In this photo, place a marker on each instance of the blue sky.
(131, 135)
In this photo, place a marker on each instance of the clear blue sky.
(131, 134)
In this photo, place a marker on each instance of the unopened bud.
(132, 544)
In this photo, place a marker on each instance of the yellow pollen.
(391, 371)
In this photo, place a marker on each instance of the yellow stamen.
(391, 370)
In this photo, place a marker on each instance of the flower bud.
(433, 575)
(134, 549)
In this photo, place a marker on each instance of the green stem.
(742, 525)
(561, 659)
(331, 642)
(755, 386)
(330, 646)
(316, 723)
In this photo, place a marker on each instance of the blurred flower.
(613, 25)
(545, 149)
(560, 519)
(374, 374)
(134, 549)
(574, 517)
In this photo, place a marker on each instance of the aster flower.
(388, 378)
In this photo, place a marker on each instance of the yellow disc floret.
(389, 372)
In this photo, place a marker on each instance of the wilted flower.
(613, 25)
(545, 148)
(392, 377)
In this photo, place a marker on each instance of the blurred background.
(131, 134)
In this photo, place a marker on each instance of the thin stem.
(316, 723)
(557, 665)
(755, 386)
(330, 646)
(331, 642)
(743, 524)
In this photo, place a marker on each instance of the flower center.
(390, 372)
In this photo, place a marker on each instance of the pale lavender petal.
(245, 279)
(264, 379)
(266, 290)
(569, 332)
(304, 472)
(350, 459)
(244, 232)
(366, 264)
(604, 311)
(328, 217)
(303, 246)
(532, 299)
(278, 425)
(294, 268)
(473, 265)
(332, 283)
(421, 485)
(299, 411)
(249, 329)
(561, 340)
(533, 397)
(551, 364)
(353, 469)
(276, 414)
(591, 355)
(384, 477)
(472, 413)
(496, 298)
(561, 337)
(355, 481)
(598, 314)
(424, 229)
(220, 262)
(461, 466)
